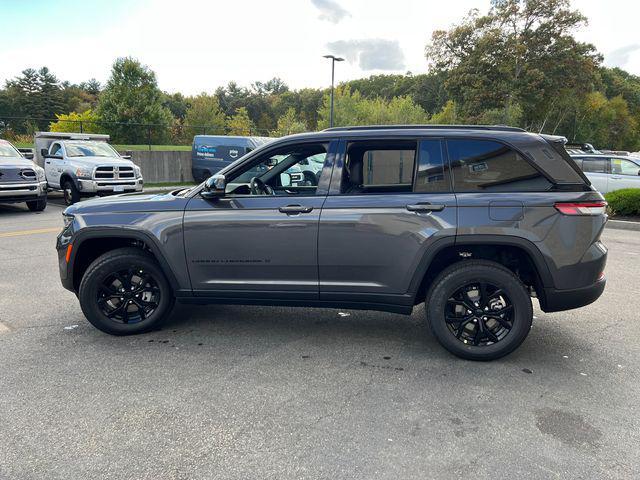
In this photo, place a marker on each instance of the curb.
(623, 225)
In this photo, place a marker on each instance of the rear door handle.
(615, 177)
(295, 209)
(425, 207)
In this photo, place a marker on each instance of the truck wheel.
(124, 292)
(479, 310)
(70, 192)
(37, 205)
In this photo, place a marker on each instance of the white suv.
(89, 167)
(610, 172)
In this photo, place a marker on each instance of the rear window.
(432, 175)
(594, 165)
(489, 166)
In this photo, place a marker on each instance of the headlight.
(67, 219)
(137, 170)
(40, 174)
(84, 172)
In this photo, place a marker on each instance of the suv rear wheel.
(124, 292)
(479, 310)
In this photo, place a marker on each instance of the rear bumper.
(557, 300)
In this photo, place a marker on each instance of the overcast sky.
(196, 46)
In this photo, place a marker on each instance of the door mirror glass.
(214, 187)
(44, 152)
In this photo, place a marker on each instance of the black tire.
(508, 289)
(105, 268)
(37, 205)
(70, 192)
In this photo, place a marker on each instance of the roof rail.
(502, 128)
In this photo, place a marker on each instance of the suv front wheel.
(124, 292)
(479, 310)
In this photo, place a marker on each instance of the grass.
(122, 148)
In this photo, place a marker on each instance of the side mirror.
(44, 152)
(285, 179)
(28, 155)
(214, 187)
(126, 157)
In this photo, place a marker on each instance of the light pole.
(333, 67)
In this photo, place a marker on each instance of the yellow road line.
(29, 232)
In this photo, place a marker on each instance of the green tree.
(288, 124)
(204, 110)
(131, 97)
(522, 52)
(87, 122)
(240, 123)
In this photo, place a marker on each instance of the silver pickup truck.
(85, 165)
(20, 179)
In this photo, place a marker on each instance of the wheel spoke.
(483, 301)
(488, 333)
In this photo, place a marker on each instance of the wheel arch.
(517, 254)
(90, 244)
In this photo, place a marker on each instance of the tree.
(240, 123)
(204, 110)
(288, 124)
(521, 52)
(130, 98)
(86, 122)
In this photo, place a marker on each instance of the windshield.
(7, 150)
(90, 149)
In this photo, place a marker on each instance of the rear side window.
(432, 176)
(379, 167)
(594, 165)
(489, 166)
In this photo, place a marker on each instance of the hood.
(108, 161)
(130, 202)
(16, 162)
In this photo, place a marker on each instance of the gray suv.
(473, 221)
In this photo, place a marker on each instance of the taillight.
(582, 208)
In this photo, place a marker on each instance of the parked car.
(20, 179)
(608, 173)
(473, 221)
(84, 165)
(211, 153)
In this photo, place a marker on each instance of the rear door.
(597, 171)
(389, 202)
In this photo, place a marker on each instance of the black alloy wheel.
(128, 296)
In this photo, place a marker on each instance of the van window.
(620, 166)
(594, 165)
(432, 175)
(489, 166)
(379, 167)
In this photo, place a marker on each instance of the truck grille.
(113, 173)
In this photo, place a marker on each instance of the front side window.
(594, 165)
(379, 167)
(285, 172)
(620, 166)
(490, 166)
(56, 149)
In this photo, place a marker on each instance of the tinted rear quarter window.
(594, 165)
(491, 166)
(432, 176)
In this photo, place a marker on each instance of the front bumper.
(110, 186)
(22, 192)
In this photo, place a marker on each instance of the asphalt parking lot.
(235, 392)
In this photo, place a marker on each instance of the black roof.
(500, 128)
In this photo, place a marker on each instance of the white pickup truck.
(85, 165)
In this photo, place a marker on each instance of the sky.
(195, 46)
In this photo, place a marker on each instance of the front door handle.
(425, 207)
(295, 209)
(615, 177)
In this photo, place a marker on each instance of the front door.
(53, 166)
(624, 174)
(389, 202)
(261, 239)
